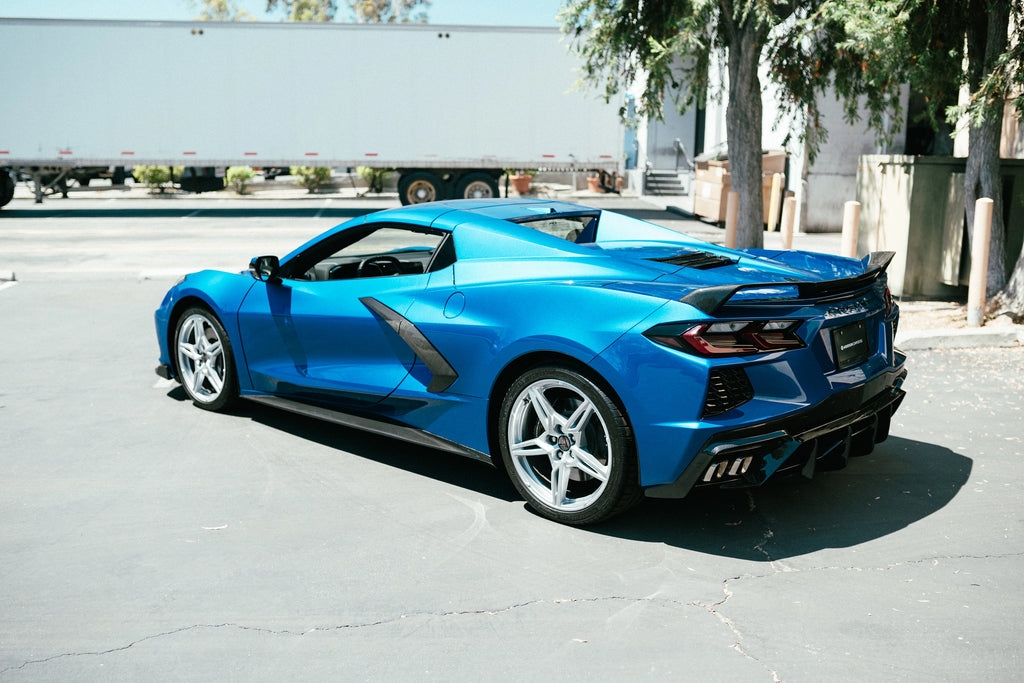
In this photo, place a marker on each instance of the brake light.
(733, 338)
(887, 297)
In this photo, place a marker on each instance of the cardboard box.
(712, 171)
(773, 161)
(709, 196)
(711, 209)
(709, 199)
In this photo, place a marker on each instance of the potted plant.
(520, 180)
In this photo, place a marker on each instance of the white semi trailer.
(447, 107)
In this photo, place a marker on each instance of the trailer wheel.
(6, 188)
(476, 186)
(420, 187)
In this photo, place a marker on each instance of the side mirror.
(265, 268)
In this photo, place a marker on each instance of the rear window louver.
(702, 260)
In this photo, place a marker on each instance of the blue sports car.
(594, 357)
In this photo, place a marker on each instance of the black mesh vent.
(727, 388)
(701, 260)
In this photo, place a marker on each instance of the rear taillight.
(887, 297)
(733, 338)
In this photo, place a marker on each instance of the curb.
(672, 208)
(1001, 337)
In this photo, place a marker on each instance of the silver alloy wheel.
(201, 365)
(478, 189)
(421, 191)
(560, 446)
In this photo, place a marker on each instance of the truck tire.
(419, 187)
(476, 186)
(6, 188)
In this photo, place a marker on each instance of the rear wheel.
(476, 186)
(567, 447)
(420, 187)
(204, 360)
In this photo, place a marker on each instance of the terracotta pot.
(521, 183)
(594, 185)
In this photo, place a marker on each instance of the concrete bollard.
(776, 199)
(732, 212)
(788, 214)
(979, 262)
(851, 226)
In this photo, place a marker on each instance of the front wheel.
(205, 362)
(567, 447)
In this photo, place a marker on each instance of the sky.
(471, 12)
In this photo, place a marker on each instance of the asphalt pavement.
(144, 539)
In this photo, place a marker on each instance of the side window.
(578, 229)
(375, 250)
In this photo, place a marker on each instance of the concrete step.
(664, 183)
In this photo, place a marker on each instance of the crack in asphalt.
(340, 627)
(769, 534)
(712, 608)
(778, 568)
(737, 644)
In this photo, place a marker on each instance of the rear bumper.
(822, 437)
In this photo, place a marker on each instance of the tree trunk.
(1011, 299)
(986, 40)
(743, 123)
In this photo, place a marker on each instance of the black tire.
(203, 360)
(6, 188)
(476, 186)
(574, 471)
(419, 187)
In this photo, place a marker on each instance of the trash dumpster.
(914, 206)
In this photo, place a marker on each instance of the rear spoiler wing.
(709, 299)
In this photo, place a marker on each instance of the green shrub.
(239, 176)
(312, 177)
(156, 177)
(374, 177)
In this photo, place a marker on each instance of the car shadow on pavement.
(901, 482)
(458, 470)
